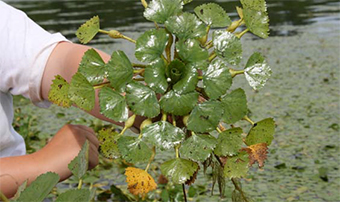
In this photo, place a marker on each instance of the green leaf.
(39, 188)
(213, 15)
(186, 1)
(79, 165)
(160, 10)
(179, 170)
(258, 5)
(113, 105)
(155, 76)
(142, 100)
(234, 106)
(20, 189)
(191, 52)
(120, 70)
(75, 195)
(108, 143)
(257, 22)
(237, 166)
(229, 142)
(186, 26)
(133, 149)
(88, 30)
(92, 67)
(257, 71)
(227, 47)
(163, 135)
(151, 45)
(205, 117)
(262, 132)
(59, 92)
(81, 92)
(216, 79)
(177, 104)
(198, 147)
(188, 80)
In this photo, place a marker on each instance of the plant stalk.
(234, 72)
(212, 56)
(218, 130)
(101, 85)
(234, 25)
(151, 158)
(239, 35)
(138, 65)
(144, 3)
(103, 31)
(128, 38)
(249, 120)
(169, 45)
(3, 197)
(239, 189)
(80, 184)
(184, 193)
(138, 71)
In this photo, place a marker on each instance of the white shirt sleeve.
(24, 50)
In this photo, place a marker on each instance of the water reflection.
(65, 16)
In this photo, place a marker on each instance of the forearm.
(15, 170)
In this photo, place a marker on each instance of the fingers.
(93, 156)
(89, 133)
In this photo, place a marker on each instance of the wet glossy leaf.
(257, 71)
(81, 92)
(142, 100)
(216, 79)
(188, 80)
(234, 106)
(88, 30)
(227, 47)
(120, 70)
(257, 152)
(151, 45)
(155, 76)
(134, 150)
(179, 170)
(163, 135)
(186, 26)
(92, 67)
(178, 104)
(192, 53)
(262, 132)
(198, 147)
(229, 142)
(79, 165)
(113, 105)
(160, 10)
(257, 22)
(59, 92)
(213, 15)
(236, 166)
(39, 188)
(108, 143)
(75, 195)
(205, 117)
(139, 181)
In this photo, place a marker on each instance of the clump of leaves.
(184, 77)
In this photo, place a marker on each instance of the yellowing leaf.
(257, 152)
(139, 181)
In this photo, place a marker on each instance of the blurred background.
(303, 94)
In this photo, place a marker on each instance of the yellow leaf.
(139, 181)
(257, 152)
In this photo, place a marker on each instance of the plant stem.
(3, 197)
(138, 65)
(249, 120)
(184, 193)
(218, 130)
(164, 116)
(101, 85)
(200, 77)
(177, 150)
(222, 128)
(144, 3)
(169, 45)
(234, 25)
(208, 44)
(212, 56)
(151, 158)
(103, 31)
(173, 120)
(239, 189)
(239, 35)
(138, 71)
(128, 38)
(234, 72)
(80, 184)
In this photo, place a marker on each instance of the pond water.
(302, 95)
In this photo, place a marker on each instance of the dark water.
(126, 15)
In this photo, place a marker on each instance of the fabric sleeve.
(25, 48)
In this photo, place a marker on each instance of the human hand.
(64, 146)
